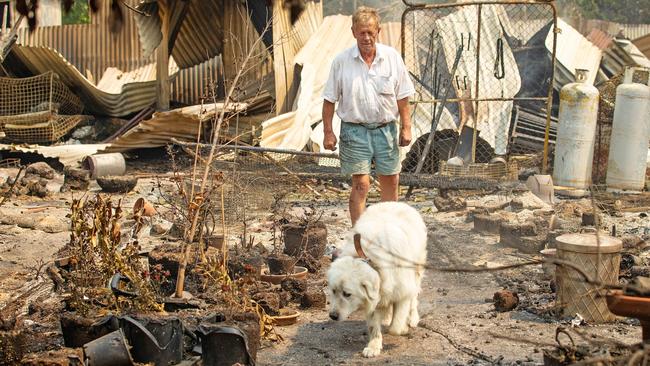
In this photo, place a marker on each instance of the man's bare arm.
(405, 119)
(329, 139)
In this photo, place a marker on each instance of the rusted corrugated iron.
(116, 94)
(198, 82)
(288, 39)
(643, 43)
(91, 47)
(630, 31)
(182, 124)
(200, 36)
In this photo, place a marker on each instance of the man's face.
(366, 35)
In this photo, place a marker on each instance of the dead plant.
(97, 254)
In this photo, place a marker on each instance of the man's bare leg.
(360, 188)
(389, 185)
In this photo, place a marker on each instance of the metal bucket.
(104, 165)
(601, 263)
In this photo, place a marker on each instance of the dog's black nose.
(334, 316)
(336, 253)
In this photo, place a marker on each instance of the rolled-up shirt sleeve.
(405, 86)
(332, 91)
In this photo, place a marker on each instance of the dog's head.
(352, 284)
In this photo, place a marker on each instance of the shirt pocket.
(385, 85)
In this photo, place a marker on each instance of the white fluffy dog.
(393, 238)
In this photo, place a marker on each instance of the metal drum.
(574, 150)
(601, 263)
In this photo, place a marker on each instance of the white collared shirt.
(368, 94)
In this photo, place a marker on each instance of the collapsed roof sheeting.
(199, 38)
(117, 94)
(293, 130)
(574, 51)
(643, 44)
(618, 53)
(68, 155)
(181, 124)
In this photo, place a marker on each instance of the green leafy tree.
(79, 14)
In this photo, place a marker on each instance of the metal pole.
(434, 122)
(478, 74)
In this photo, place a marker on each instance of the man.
(372, 87)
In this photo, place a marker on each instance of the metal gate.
(483, 74)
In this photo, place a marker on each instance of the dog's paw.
(414, 320)
(369, 352)
(398, 330)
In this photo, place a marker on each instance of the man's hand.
(329, 141)
(405, 136)
(405, 122)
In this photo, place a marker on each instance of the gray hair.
(365, 15)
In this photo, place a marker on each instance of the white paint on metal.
(626, 168)
(576, 134)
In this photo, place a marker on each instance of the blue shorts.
(361, 145)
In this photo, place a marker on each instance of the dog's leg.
(414, 316)
(374, 334)
(401, 311)
(387, 316)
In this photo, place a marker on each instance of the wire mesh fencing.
(254, 181)
(38, 109)
(475, 65)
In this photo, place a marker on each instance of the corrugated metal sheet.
(288, 40)
(618, 53)
(631, 31)
(600, 39)
(643, 43)
(242, 38)
(634, 31)
(68, 155)
(181, 124)
(116, 94)
(574, 51)
(199, 43)
(196, 83)
(92, 48)
(292, 130)
(199, 38)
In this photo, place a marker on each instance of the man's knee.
(360, 186)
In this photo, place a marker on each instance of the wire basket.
(495, 170)
(38, 109)
(40, 127)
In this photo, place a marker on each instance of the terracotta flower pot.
(300, 240)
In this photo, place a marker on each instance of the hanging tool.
(499, 63)
(436, 119)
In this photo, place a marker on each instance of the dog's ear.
(371, 289)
